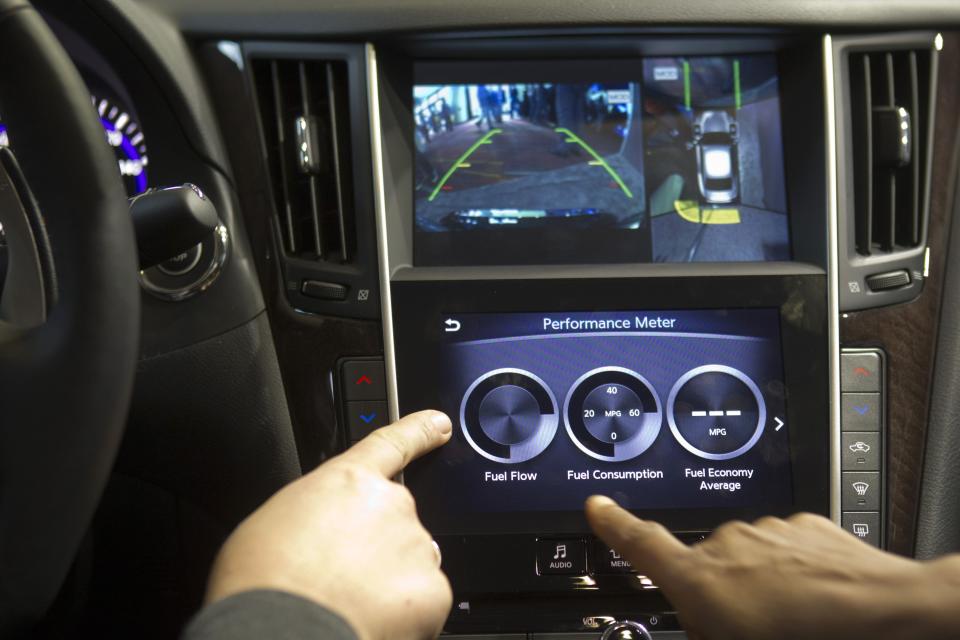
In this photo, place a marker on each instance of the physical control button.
(364, 416)
(889, 280)
(860, 451)
(561, 557)
(716, 412)
(860, 412)
(324, 290)
(364, 380)
(860, 372)
(509, 416)
(610, 561)
(612, 414)
(183, 262)
(626, 630)
(860, 491)
(865, 526)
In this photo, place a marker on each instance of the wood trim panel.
(908, 333)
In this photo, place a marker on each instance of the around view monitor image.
(713, 159)
(673, 160)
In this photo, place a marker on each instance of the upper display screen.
(661, 160)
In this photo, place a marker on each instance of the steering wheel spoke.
(29, 279)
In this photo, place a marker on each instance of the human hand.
(347, 537)
(803, 577)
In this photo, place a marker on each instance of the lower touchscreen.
(661, 410)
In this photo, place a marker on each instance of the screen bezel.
(800, 299)
(802, 112)
(552, 246)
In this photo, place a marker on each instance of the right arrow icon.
(779, 423)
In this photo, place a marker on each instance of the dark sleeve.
(256, 615)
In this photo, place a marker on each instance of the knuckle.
(345, 473)
(393, 441)
(425, 539)
(807, 520)
(404, 496)
(768, 522)
(425, 429)
(446, 591)
(732, 529)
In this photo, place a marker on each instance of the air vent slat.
(308, 162)
(862, 110)
(889, 100)
(907, 176)
(918, 123)
(278, 109)
(884, 198)
(304, 118)
(335, 141)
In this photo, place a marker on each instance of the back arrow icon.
(452, 325)
(779, 423)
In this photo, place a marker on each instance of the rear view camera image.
(679, 161)
(714, 159)
(529, 173)
(528, 155)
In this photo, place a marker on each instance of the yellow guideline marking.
(690, 211)
(464, 165)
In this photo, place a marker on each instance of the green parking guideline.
(462, 159)
(736, 83)
(597, 159)
(686, 84)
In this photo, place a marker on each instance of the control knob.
(626, 630)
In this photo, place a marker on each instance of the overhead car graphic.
(715, 143)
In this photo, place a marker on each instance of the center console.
(606, 260)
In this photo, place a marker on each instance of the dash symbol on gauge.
(612, 414)
(716, 412)
(509, 416)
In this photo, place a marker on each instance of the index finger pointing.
(389, 449)
(651, 549)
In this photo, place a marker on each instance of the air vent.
(889, 107)
(304, 115)
(313, 112)
(885, 90)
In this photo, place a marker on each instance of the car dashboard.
(696, 257)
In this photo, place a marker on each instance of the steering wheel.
(69, 315)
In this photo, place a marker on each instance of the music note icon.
(561, 552)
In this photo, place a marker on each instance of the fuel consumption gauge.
(612, 414)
